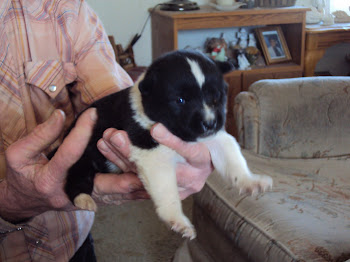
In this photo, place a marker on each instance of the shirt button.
(52, 88)
(38, 242)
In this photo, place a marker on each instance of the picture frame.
(273, 44)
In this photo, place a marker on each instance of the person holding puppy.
(55, 61)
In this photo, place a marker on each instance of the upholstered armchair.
(298, 132)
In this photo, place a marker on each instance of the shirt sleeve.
(97, 70)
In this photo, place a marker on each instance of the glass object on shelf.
(248, 3)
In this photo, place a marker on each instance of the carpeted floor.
(133, 232)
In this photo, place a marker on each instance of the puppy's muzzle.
(209, 126)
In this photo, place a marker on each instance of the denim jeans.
(86, 252)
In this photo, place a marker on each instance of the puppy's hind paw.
(255, 185)
(85, 201)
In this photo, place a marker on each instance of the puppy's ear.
(224, 67)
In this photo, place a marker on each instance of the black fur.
(113, 111)
(170, 95)
(169, 79)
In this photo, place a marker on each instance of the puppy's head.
(185, 91)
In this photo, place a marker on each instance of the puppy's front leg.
(228, 160)
(156, 168)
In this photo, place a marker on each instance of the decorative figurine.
(243, 62)
(216, 48)
(317, 12)
(252, 40)
(243, 38)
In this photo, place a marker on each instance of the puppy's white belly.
(156, 168)
(157, 171)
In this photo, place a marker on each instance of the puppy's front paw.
(254, 184)
(85, 201)
(183, 227)
(177, 221)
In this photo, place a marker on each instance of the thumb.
(74, 144)
(192, 152)
(117, 184)
(39, 139)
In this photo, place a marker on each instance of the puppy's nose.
(208, 125)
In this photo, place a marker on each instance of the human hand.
(34, 184)
(121, 188)
(191, 176)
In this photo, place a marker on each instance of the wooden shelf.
(319, 38)
(166, 26)
(208, 11)
(276, 68)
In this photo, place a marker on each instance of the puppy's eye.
(180, 101)
(216, 99)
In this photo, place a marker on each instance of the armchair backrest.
(305, 117)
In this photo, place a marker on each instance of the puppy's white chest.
(160, 157)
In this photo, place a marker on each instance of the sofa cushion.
(306, 216)
(296, 118)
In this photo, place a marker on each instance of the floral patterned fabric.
(298, 118)
(305, 217)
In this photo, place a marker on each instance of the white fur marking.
(208, 113)
(156, 168)
(136, 105)
(196, 71)
(229, 162)
(85, 201)
(112, 168)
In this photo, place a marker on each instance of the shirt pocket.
(50, 75)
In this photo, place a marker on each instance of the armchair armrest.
(246, 114)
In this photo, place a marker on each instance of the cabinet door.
(234, 87)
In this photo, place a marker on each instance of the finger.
(118, 141)
(191, 179)
(115, 146)
(115, 157)
(192, 152)
(39, 139)
(75, 143)
(117, 184)
(118, 199)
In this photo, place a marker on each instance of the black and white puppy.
(186, 92)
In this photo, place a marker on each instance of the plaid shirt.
(53, 54)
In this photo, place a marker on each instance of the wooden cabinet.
(167, 25)
(319, 38)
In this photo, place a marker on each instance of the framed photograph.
(273, 44)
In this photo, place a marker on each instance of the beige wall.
(125, 18)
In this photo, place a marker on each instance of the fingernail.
(160, 132)
(93, 114)
(142, 195)
(61, 112)
(118, 140)
(134, 187)
(106, 133)
(102, 146)
(56, 113)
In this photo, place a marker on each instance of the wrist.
(11, 207)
